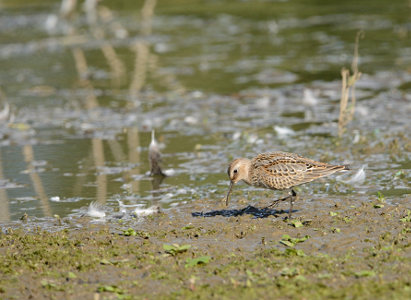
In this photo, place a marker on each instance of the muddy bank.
(355, 250)
(215, 81)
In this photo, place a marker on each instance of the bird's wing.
(280, 171)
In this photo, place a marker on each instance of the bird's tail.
(339, 168)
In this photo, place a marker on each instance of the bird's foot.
(276, 202)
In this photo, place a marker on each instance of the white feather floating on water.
(252, 138)
(55, 199)
(236, 135)
(263, 102)
(95, 211)
(283, 131)
(169, 172)
(5, 112)
(191, 120)
(357, 136)
(309, 99)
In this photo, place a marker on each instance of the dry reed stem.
(142, 50)
(347, 107)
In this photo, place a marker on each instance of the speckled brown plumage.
(278, 171)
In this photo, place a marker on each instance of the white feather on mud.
(121, 206)
(357, 178)
(95, 210)
(143, 212)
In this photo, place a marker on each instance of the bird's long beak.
(229, 191)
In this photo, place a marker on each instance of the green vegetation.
(175, 249)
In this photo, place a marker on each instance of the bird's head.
(237, 170)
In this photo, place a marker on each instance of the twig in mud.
(347, 107)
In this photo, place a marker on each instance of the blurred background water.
(83, 83)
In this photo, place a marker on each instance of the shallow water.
(215, 81)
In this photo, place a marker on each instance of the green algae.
(202, 260)
(175, 249)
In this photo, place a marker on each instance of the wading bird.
(278, 171)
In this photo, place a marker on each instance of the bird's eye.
(235, 171)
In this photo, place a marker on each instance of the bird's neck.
(246, 171)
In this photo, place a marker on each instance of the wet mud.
(350, 250)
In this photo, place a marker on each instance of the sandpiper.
(278, 171)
